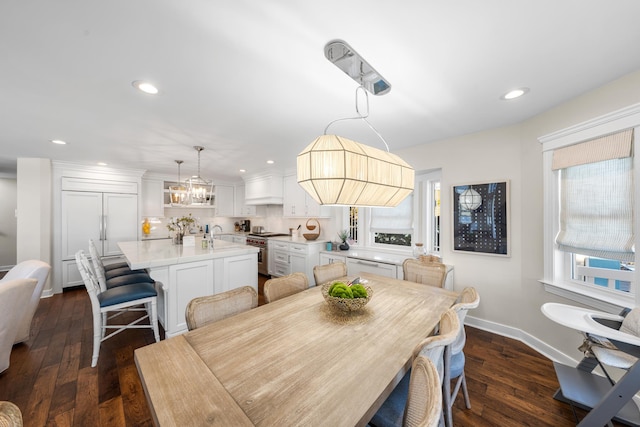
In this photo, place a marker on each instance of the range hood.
(264, 189)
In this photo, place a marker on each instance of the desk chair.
(10, 415)
(208, 309)
(392, 410)
(325, 273)
(115, 277)
(433, 273)
(454, 356)
(14, 297)
(30, 269)
(118, 300)
(280, 287)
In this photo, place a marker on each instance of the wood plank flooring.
(52, 382)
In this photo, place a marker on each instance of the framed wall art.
(481, 218)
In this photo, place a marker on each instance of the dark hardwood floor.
(52, 382)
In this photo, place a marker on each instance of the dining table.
(296, 361)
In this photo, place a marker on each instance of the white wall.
(8, 223)
(511, 295)
(34, 234)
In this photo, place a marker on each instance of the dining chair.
(454, 359)
(29, 269)
(204, 310)
(392, 410)
(328, 272)
(417, 402)
(281, 287)
(432, 273)
(14, 297)
(111, 303)
(10, 415)
(119, 276)
(429, 258)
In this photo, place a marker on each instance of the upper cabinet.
(264, 189)
(224, 200)
(241, 208)
(297, 203)
(152, 197)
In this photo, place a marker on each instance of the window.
(590, 200)
(393, 226)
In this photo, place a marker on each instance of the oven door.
(263, 261)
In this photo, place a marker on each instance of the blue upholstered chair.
(118, 300)
(393, 411)
(454, 359)
(111, 278)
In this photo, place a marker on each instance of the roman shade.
(596, 197)
(393, 220)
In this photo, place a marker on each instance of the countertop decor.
(346, 304)
(312, 227)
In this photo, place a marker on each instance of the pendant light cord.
(361, 116)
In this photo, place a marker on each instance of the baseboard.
(522, 336)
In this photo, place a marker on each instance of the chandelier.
(178, 193)
(199, 188)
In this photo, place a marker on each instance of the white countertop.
(160, 253)
(299, 239)
(371, 255)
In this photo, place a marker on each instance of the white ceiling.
(248, 80)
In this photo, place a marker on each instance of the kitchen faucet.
(213, 230)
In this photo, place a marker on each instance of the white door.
(81, 221)
(120, 221)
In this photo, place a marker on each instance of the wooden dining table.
(292, 362)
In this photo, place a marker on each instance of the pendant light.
(178, 192)
(470, 199)
(200, 189)
(338, 171)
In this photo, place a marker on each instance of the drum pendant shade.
(337, 171)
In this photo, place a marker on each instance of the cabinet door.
(187, 281)
(293, 198)
(330, 259)
(241, 208)
(240, 271)
(120, 221)
(152, 198)
(81, 221)
(357, 266)
(298, 264)
(224, 200)
(240, 240)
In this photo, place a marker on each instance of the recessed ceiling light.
(102, 164)
(58, 141)
(243, 170)
(146, 87)
(270, 162)
(515, 93)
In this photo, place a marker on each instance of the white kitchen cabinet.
(326, 258)
(152, 198)
(240, 240)
(356, 266)
(237, 271)
(241, 208)
(225, 203)
(297, 203)
(106, 218)
(195, 279)
(286, 257)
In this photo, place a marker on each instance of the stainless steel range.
(259, 240)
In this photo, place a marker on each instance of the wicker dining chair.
(454, 359)
(281, 287)
(393, 409)
(10, 415)
(432, 273)
(204, 310)
(328, 272)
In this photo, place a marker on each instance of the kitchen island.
(186, 272)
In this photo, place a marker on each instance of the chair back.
(328, 272)
(98, 267)
(468, 299)
(281, 287)
(433, 346)
(424, 400)
(429, 258)
(14, 297)
(433, 273)
(202, 311)
(10, 415)
(29, 269)
(90, 281)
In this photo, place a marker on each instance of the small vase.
(178, 239)
(344, 246)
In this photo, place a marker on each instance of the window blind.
(393, 220)
(596, 199)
